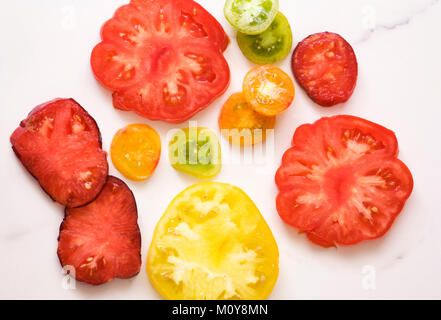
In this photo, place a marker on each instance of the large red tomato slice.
(162, 58)
(341, 181)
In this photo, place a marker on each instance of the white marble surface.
(45, 52)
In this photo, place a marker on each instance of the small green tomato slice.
(195, 151)
(251, 16)
(271, 46)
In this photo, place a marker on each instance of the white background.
(45, 51)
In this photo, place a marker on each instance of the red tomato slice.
(102, 240)
(59, 143)
(325, 66)
(341, 182)
(163, 59)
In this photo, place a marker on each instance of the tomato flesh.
(269, 90)
(240, 124)
(196, 151)
(163, 59)
(341, 182)
(213, 243)
(325, 65)
(135, 151)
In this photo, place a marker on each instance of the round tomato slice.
(240, 124)
(251, 16)
(269, 90)
(213, 243)
(195, 151)
(163, 59)
(325, 65)
(341, 182)
(135, 151)
(270, 46)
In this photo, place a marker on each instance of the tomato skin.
(163, 63)
(326, 67)
(222, 224)
(341, 181)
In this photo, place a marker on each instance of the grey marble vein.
(402, 22)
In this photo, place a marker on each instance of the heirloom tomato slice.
(269, 90)
(325, 66)
(162, 58)
(240, 124)
(135, 151)
(212, 243)
(341, 181)
(101, 241)
(196, 151)
(59, 143)
(251, 16)
(270, 46)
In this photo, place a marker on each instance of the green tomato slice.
(271, 46)
(251, 16)
(195, 151)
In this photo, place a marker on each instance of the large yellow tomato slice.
(213, 243)
(135, 151)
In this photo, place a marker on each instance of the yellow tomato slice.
(213, 243)
(240, 124)
(135, 151)
(269, 90)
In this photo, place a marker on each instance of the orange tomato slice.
(269, 90)
(240, 124)
(135, 151)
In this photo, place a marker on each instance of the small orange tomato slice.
(135, 151)
(240, 124)
(269, 90)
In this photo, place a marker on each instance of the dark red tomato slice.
(341, 181)
(163, 59)
(102, 240)
(325, 66)
(59, 143)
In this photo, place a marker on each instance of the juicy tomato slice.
(269, 90)
(101, 240)
(251, 16)
(195, 151)
(135, 151)
(212, 243)
(270, 46)
(240, 124)
(325, 65)
(163, 59)
(341, 182)
(59, 143)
